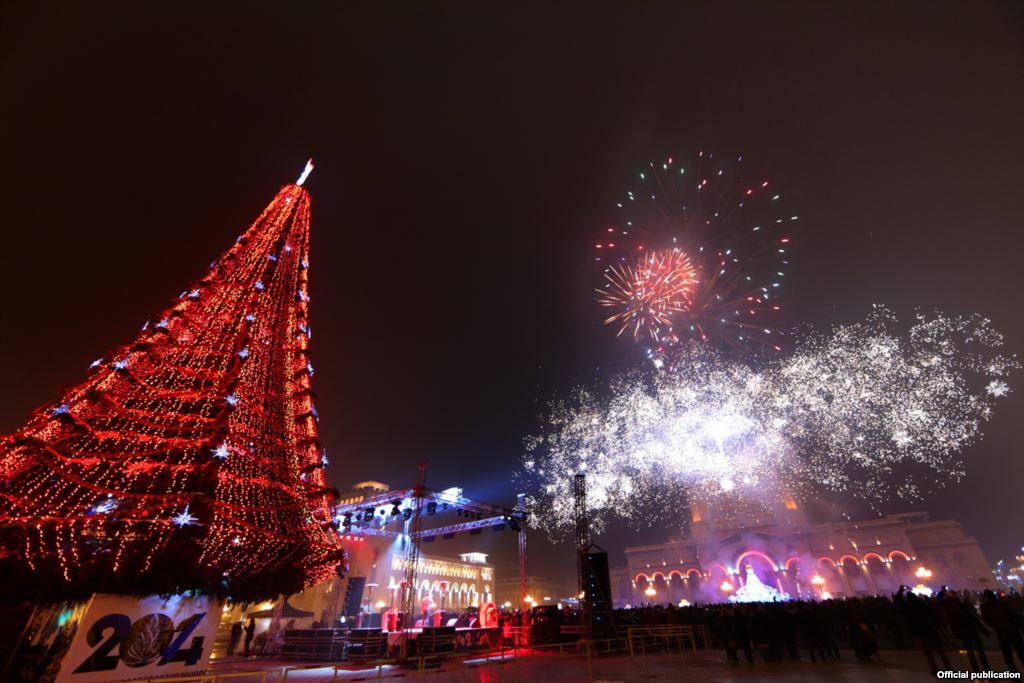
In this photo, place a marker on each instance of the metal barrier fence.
(518, 636)
(638, 643)
(653, 637)
(278, 674)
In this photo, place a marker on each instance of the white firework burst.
(860, 409)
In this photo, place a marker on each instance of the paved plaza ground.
(907, 666)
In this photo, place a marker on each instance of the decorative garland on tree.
(189, 459)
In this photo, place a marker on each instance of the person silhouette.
(250, 632)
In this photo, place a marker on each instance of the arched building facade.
(803, 560)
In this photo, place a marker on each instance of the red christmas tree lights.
(189, 460)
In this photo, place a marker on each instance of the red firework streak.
(190, 458)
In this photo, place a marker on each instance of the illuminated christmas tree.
(189, 459)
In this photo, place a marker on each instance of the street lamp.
(650, 592)
(923, 573)
(369, 596)
(726, 587)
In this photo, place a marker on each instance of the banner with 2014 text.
(122, 637)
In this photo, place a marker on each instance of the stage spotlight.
(395, 510)
(346, 520)
(513, 524)
(407, 513)
(368, 514)
(431, 508)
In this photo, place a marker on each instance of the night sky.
(466, 153)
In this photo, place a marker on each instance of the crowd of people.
(974, 623)
(263, 643)
(967, 621)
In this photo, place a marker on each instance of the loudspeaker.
(598, 587)
(353, 595)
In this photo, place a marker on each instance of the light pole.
(819, 582)
(369, 594)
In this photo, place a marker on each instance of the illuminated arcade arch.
(879, 571)
(756, 553)
(720, 566)
(901, 569)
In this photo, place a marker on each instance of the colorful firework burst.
(732, 224)
(646, 294)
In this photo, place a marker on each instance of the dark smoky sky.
(466, 153)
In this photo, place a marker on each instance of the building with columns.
(801, 559)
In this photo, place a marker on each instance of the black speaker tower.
(595, 586)
(353, 596)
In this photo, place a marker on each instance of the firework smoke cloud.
(860, 410)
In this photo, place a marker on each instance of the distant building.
(463, 584)
(540, 589)
(456, 583)
(440, 582)
(801, 559)
(362, 491)
(622, 587)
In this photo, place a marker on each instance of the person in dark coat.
(788, 627)
(742, 630)
(1000, 617)
(762, 633)
(825, 621)
(967, 628)
(236, 635)
(861, 641)
(727, 632)
(893, 622)
(250, 632)
(809, 629)
(922, 625)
